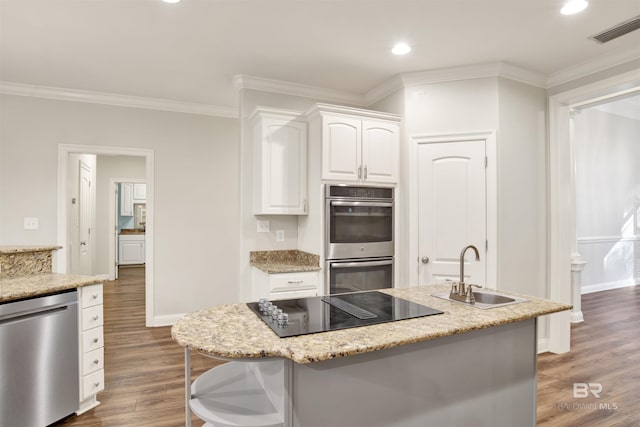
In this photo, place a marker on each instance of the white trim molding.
(167, 319)
(598, 287)
(600, 63)
(77, 95)
(607, 239)
(241, 81)
(465, 72)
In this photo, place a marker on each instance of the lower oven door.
(359, 275)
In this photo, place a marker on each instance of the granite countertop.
(27, 248)
(32, 286)
(128, 231)
(235, 332)
(286, 261)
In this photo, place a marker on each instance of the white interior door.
(84, 220)
(452, 210)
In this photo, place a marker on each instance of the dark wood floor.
(605, 349)
(144, 368)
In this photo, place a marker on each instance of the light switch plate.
(263, 225)
(31, 223)
(279, 235)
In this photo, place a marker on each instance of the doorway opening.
(61, 259)
(563, 257)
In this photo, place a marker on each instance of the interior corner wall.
(522, 191)
(196, 165)
(109, 167)
(607, 150)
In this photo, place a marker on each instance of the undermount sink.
(485, 300)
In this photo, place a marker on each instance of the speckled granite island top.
(234, 331)
(16, 288)
(286, 261)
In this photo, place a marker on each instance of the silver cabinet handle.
(95, 340)
(95, 318)
(359, 172)
(95, 362)
(83, 243)
(365, 171)
(292, 282)
(425, 260)
(96, 384)
(94, 296)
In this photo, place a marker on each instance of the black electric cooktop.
(329, 313)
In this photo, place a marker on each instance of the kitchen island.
(464, 367)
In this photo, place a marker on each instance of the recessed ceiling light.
(171, 1)
(574, 6)
(401, 49)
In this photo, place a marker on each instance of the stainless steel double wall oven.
(359, 226)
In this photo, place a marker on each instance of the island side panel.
(480, 378)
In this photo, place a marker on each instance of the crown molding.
(592, 66)
(241, 81)
(465, 72)
(75, 95)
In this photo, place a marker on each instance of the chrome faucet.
(460, 291)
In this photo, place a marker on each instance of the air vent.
(617, 31)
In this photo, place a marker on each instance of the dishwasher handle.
(33, 314)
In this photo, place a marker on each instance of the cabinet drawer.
(293, 281)
(92, 317)
(91, 295)
(274, 296)
(93, 361)
(92, 384)
(92, 339)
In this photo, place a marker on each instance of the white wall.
(522, 188)
(607, 198)
(196, 174)
(110, 167)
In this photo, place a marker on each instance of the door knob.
(425, 260)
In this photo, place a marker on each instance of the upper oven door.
(357, 229)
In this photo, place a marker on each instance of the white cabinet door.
(139, 192)
(131, 249)
(126, 199)
(280, 164)
(380, 151)
(359, 149)
(341, 148)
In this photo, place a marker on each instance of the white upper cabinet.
(140, 192)
(126, 199)
(280, 162)
(380, 151)
(358, 145)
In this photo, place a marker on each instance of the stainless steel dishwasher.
(39, 380)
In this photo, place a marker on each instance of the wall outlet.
(31, 223)
(263, 225)
(279, 235)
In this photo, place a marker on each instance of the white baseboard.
(167, 319)
(543, 345)
(102, 276)
(577, 317)
(597, 287)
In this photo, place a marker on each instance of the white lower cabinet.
(91, 348)
(284, 285)
(131, 249)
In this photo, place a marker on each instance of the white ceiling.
(190, 51)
